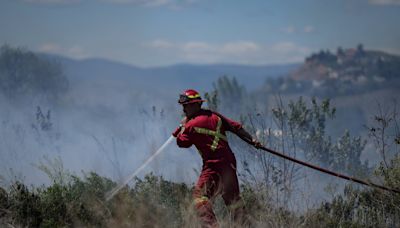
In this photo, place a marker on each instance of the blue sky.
(165, 32)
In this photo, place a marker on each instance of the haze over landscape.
(92, 86)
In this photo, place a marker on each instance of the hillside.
(346, 72)
(173, 77)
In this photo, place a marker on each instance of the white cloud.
(239, 48)
(195, 51)
(170, 4)
(203, 52)
(161, 44)
(308, 29)
(150, 3)
(54, 2)
(384, 2)
(286, 47)
(289, 52)
(196, 47)
(167, 52)
(242, 52)
(289, 30)
(294, 30)
(155, 3)
(75, 52)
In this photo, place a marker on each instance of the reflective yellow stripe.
(216, 138)
(209, 132)
(217, 134)
(193, 96)
(201, 199)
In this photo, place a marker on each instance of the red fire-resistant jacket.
(206, 130)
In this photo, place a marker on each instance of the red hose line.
(326, 170)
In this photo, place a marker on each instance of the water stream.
(113, 192)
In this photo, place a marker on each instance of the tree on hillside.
(360, 49)
(23, 74)
(232, 97)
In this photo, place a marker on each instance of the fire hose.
(353, 179)
(114, 191)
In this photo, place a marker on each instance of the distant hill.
(346, 72)
(357, 81)
(168, 77)
(354, 65)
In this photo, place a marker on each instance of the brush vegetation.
(156, 202)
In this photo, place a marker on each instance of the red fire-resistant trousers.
(217, 178)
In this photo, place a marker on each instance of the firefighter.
(207, 131)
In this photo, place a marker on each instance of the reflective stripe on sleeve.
(201, 199)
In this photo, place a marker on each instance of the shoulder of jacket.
(219, 115)
(199, 118)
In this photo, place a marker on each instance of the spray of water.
(113, 192)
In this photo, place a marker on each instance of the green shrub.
(25, 206)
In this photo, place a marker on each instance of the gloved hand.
(256, 143)
(184, 121)
(181, 127)
(177, 131)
